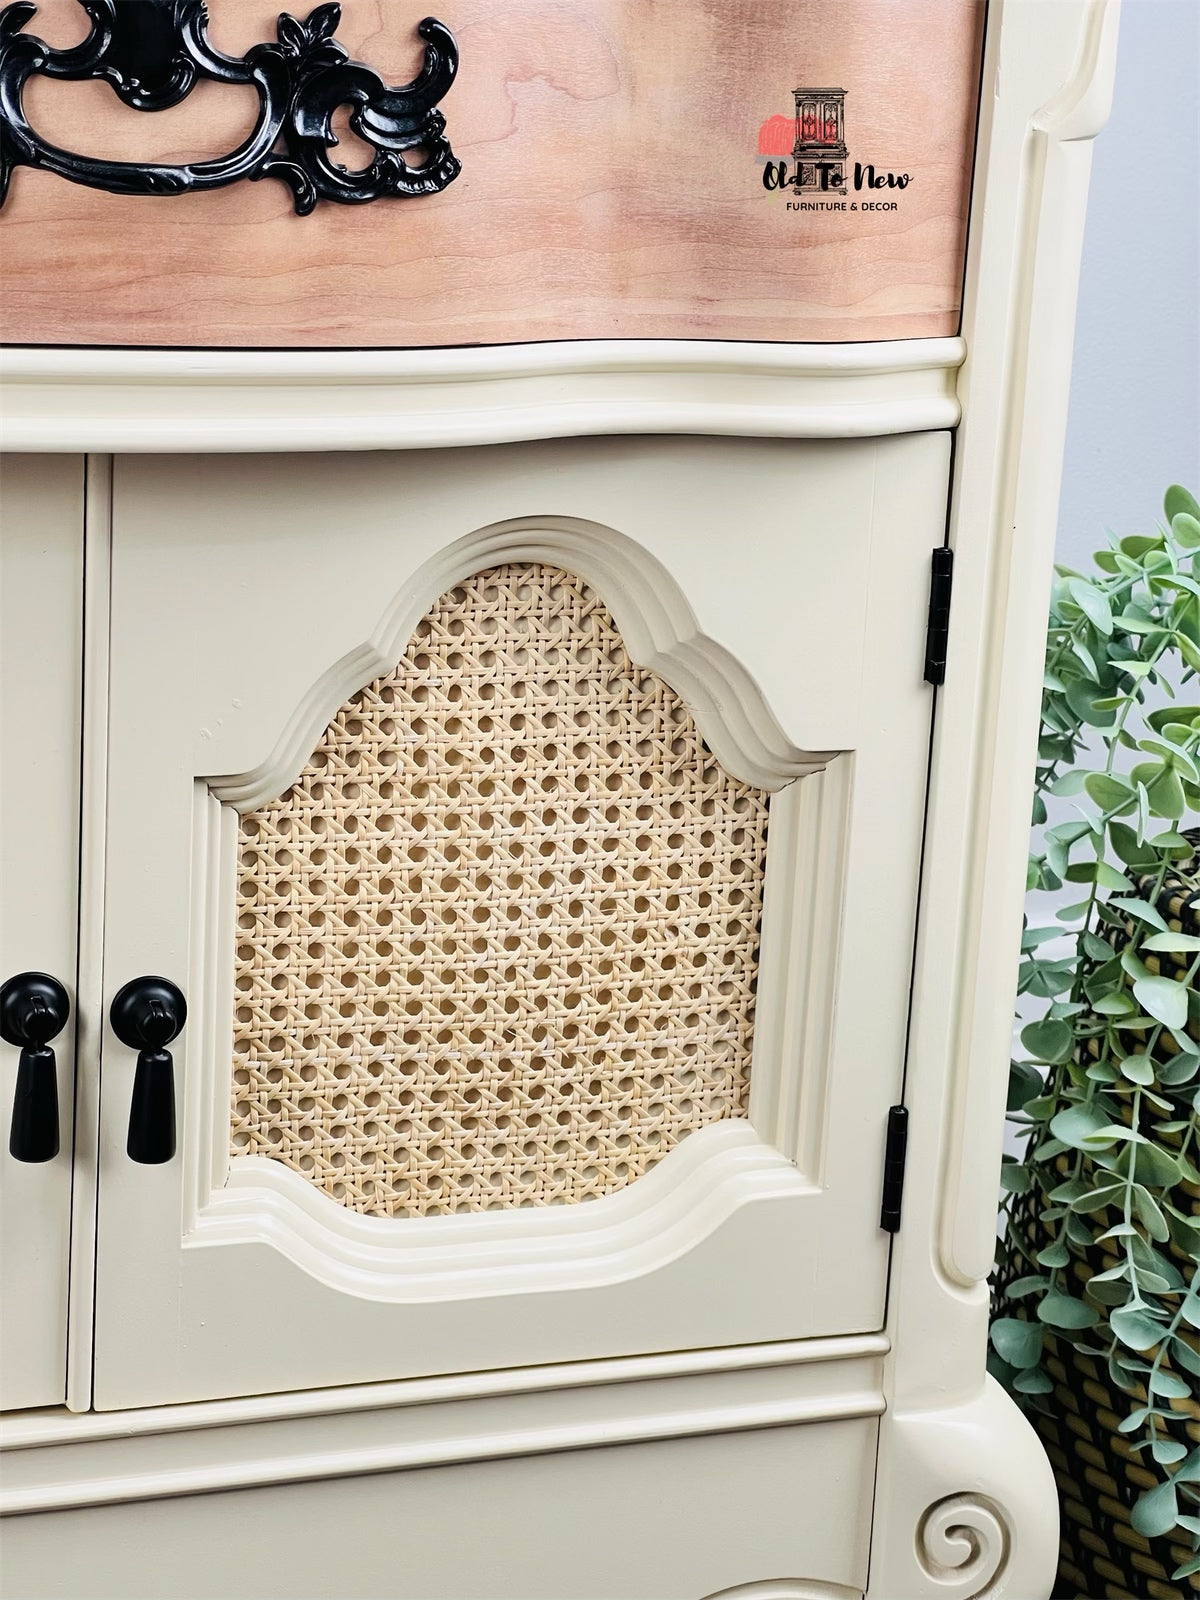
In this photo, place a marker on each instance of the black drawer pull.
(146, 1015)
(33, 1010)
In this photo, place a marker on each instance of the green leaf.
(1033, 1381)
(1115, 1133)
(1095, 947)
(1154, 1513)
(1070, 782)
(1135, 545)
(1135, 1420)
(1073, 913)
(1171, 840)
(1102, 1072)
(1117, 1004)
(1133, 965)
(1041, 1108)
(1166, 795)
(1178, 499)
(1017, 1342)
(1164, 999)
(1109, 878)
(1077, 1124)
(1020, 1287)
(1092, 603)
(1169, 1385)
(1110, 791)
(1051, 1042)
(1162, 716)
(1191, 1308)
(1139, 1069)
(1134, 1328)
(1024, 1084)
(1059, 1310)
(1172, 755)
(1099, 1199)
(1113, 1275)
(1173, 942)
(1188, 651)
(1154, 1165)
(1168, 1451)
(1054, 1255)
(1128, 847)
(1108, 1294)
(1141, 910)
(1146, 1210)
(1067, 1191)
(1068, 832)
(1014, 1178)
(1138, 622)
(1082, 702)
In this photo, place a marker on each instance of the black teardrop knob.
(33, 1010)
(146, 1015)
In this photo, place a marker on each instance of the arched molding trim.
(656, 623)
(675, 1208)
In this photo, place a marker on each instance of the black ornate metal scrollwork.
(153, 52)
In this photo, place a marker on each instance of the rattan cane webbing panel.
(497, 946)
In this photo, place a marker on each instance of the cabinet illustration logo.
(819, 169)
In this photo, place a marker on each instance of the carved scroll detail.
(153, 52)
(963, 1544)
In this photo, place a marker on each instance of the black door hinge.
(893, 1169)
(937, 629)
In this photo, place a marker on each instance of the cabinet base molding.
(54, 1459)
(731, 1463)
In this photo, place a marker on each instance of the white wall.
(1134, 420)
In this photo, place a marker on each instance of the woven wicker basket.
(1099, 1477)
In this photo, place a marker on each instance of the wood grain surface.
(611, 187)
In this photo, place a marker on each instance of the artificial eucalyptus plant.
(1107, 1102)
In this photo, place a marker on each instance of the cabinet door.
(534, 832)
(41, 576)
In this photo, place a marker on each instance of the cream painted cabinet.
(516, 820)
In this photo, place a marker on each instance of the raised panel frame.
(674, 1207)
